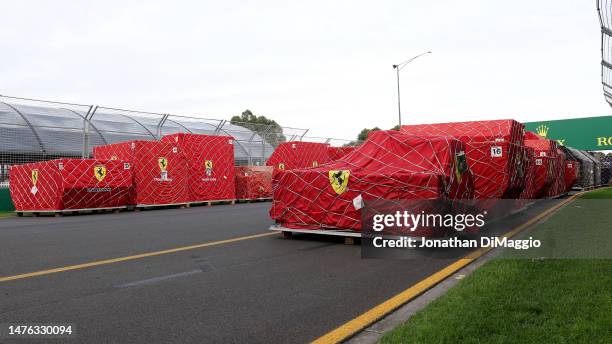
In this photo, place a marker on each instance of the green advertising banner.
(589, 133)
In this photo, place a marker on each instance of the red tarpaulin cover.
(210, 165)
(493, 150)
(159, 168)
(336, 153)
(70, 184)
(572, 169)
(558, 165)
(388, 165)
(290, 155)
(544, 165)
(253, 182)
(530, 173)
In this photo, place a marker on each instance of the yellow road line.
(364, 320)
(134, 257)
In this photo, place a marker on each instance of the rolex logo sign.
(542, 130)
(339, 180)
(100, 172)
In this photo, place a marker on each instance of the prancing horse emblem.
(339, 180)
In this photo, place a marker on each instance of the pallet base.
(253, 200)
(62, 212)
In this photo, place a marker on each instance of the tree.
(267, 128)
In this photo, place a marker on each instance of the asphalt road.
(266, 289)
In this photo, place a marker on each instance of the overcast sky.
(323, 65)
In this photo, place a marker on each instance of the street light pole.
(397, 68)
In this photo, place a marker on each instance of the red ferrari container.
(253, 182)
(159, 169)
(530, 173)
(493, 150)
(298, 154)
(336, 153)
(70, 184)
(543, 161)
(210, 165)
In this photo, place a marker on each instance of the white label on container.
(542, 153)
(539, 162)
(293, 145)
(126, 166)
(174, 149)
(230, 141)
(499, 139)
(34, 190)
(60, 165)
(496, 152)
(358, 202)
(133, 145)
(570, 165)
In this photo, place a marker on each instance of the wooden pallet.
(253, 200)
(58, 213)
(350, 237)
(211, 203)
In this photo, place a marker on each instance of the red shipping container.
(388, 165)
(558, 186)
(70, 184)
(253, 182)
(336, 153)
(159, 169)
(544, 166)
(530, 173)
(493, 150)
(298, 154)
(210, 165)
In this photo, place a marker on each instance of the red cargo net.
(388, 165)
(159, 168)
(253, 182)
(290, 155)
(210, 165)
(544, 162)
(494, 153)
(70, 184)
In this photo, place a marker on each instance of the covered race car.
(585, 174)
(72, 184)
(494, 153)
(389, 165)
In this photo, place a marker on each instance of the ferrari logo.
(315, 163)
(163, 164)
(114, 157)
(281, 166)
(100, 172)
(339, 180)
(34, 177)
(208, 164)
(460, 165)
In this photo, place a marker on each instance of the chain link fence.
(36, 130)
